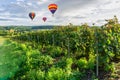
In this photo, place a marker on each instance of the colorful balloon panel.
(52, 6)
(32, 15)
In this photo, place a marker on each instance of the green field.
(63, 53)
(1, 40)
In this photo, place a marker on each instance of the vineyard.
(64, 53)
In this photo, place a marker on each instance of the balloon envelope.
(44, 19)
(52, 8)
(32, 15)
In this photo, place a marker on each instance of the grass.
(2, 40)
(8, 64)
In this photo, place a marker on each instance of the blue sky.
(15, 12)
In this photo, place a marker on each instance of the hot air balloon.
(52, 8)
(44, 19)
(32, 15)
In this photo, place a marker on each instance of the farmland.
(62, 53)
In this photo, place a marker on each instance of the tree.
(111, 22)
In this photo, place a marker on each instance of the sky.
(77, 12)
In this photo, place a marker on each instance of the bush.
(41, 62)
(82, 63)
(56, 74)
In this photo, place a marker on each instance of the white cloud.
(74, 11)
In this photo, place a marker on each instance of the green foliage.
(82, 63)
(42, 62)
(91, 62)
(65, 53)
(110, 67)
(53, 49)
(12, 56)
(56, 74)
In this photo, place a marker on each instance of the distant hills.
(27, 27)
(42, 27)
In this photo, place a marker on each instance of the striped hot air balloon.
(32, 15)
(53, 8)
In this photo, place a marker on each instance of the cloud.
(74, 11)
(6, 19)
(92, 10)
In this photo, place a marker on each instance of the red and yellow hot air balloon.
(32, 15)
(53, 8)
(44, 19)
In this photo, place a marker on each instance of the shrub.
(82, 63)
